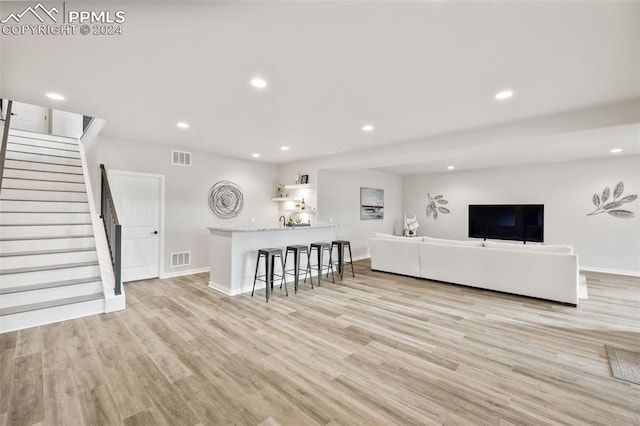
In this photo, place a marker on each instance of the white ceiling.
(412, 69)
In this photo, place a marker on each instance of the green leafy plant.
(433, 206)
(612, 206)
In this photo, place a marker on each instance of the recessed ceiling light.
(258, 83)
(256, 155)
(367, 128)
(55, 96)
(450, 167)
(284, 148)
(505, 94)
(616, 150)
(183, 125)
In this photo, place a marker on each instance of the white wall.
(186, 189)
(339, 202)
(601, 242)
(66, 123)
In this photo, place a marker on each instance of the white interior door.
(138, 198)
(31, 118)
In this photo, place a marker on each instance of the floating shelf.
(300, 186)
(300, 211)
(284, 200)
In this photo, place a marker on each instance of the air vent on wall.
(180, 259)
(180, 158)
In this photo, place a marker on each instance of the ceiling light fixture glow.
(256, 155)
(504, 94)
(259, 83)
(616, 150)
(450, 167)
(183, 125)
(55, 96)
(284, 148)
(367, 128)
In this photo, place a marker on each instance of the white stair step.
(18, 246)
(66, 146)
(33, 174)
(62, 273)
(43, 218)
(27, 297)
(31, 183)
(42, 150)
(9, 193)
(53, 159)
(10, 231)
(54, 311)
(43, 166)
(10, 263)
(41, 206)
(42, 136)
(50, 284)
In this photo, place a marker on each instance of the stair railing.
(112, 228)
(5, 138)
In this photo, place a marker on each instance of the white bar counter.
(234, 252)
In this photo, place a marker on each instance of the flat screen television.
(519, 222)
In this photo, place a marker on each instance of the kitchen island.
(234, 252)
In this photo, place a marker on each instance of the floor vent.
(180, 259)
(180, 158)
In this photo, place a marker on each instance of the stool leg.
(331, 266)
(286, 257)
(319, 265)
(341, 261)
(268, 278)
(255, 275)
(308, 268)
(351, 261)
(283, 281)
(296, 262)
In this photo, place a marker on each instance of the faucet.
(284, 220)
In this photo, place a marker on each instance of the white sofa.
(543, 271)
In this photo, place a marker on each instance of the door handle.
(154, 233)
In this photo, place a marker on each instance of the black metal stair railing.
(112, 228)
(5, 138)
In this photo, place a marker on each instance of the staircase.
(49, 269)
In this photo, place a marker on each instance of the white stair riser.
(43, 143)
(30, 174)
(55, 244)
(45, 158)
(44, 218)
(51, 315)
(25, 147)
(44, 231)
(40, 136)
(27, 278)
(45, 294)
(12, 262)
(41, 184)
(23, 194)
(36, 206)
(41, 167)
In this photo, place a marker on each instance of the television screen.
(520, 222)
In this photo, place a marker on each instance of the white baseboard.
(184, 272)
(610, 271)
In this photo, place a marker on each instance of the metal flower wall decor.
(433, 208)
(612, 206)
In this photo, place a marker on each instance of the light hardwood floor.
(377, 349)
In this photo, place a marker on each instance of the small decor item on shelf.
(279, 187)
(304, 179)
(302, 204)
(296, 178)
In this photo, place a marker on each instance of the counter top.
(264, 229)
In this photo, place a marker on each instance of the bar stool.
(296, 250)
(269, 255)
(340, 245)
(320, 248)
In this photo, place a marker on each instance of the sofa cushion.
(394, 237)
(544, 248)
(472, 243)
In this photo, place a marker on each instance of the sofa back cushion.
(471, 243)
(544, 248)
(394, 237)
